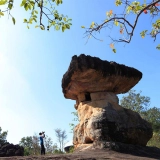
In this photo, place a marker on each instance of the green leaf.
(64, 19)
(53, 23)
(26, 6)
(57, 27)
(1, 14)
(10, 5)
(67, 26)
(92, 25)
(69, 19)
(25, 21)
(36, 26)
(34, 19)
(114, 50)
(158, 47)
(32, 3)
(28, 27)
(14, 21)
(118, 2)
(30, 20)
(116, 22)
(82, 26)
(143, 33)
(34, 16)
(42, 28)
(63, 28)
(30, 6)
(23, 3)
(36, 11)
(3, 2)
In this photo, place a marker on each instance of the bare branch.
(126, 23)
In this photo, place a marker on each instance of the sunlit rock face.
(90, 74)
(104, 120)
(94, 83)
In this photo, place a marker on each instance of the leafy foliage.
(72, 125)
(152, 115)
(155, 140)
(48, 144)
(40, 11)
(3, 136)
(58, 151)
(137, 102)
(71, 149)
(27, 143)
(31, 145)
(35, 145)
(124, 22)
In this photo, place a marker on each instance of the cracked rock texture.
(105, 120)
(91, 74)
(94, 83)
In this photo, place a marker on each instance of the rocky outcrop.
(105, 120)
(102, 148)
(88, 74)
(8, 150)
(67, 148)
(94, 83)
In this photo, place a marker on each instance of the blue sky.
(32, 64)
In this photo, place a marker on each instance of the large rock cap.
(91, 74)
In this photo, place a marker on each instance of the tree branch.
(126, 22)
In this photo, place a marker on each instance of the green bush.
(27, 151)
(58, 151)
(155, 140)
(71, 149)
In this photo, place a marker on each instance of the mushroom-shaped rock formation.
(94, 83)
(88, 74)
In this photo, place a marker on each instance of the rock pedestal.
(94, 83)
(104, 120)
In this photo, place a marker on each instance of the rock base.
(102, 119)
(143, 151)
(8, 150)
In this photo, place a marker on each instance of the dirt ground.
(96, 154)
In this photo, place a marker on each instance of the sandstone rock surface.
(105, 120)
(91, 74)
(94, 83)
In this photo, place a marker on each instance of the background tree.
(31, 145)
(48, 144)
(125, 22)
(27, 143)
(152, 115)
(137, 102)
(3, 136)
(42, 12)
(55, 147)
(36, 146)
(61, 137)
